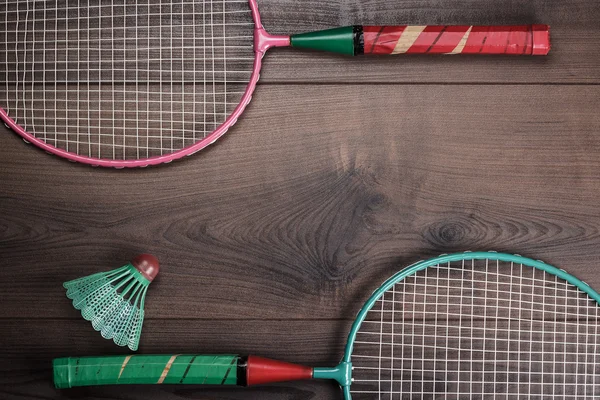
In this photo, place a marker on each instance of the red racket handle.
(515, 40)
(430, 39)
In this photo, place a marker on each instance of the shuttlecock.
(113, 301)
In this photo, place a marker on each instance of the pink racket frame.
(262, 42)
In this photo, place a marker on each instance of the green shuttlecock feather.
(113, 301)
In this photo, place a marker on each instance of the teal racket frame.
(251, 370)
(343, 372)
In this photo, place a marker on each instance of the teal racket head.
(476, 325)
(463, 326)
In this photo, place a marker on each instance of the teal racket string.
(479, 328)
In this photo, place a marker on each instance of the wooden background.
(272, 238)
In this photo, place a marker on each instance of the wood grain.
(26, 373)
(340, 173)
(341, 204)
(573, 58)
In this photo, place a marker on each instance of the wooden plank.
(25, 361)
(315, 341)
(304, 215)
(573, 58)
(25, 358)
(38, 385)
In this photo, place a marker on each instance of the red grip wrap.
(263, 370)
(458, 39)
(381, 39)
(541, 40)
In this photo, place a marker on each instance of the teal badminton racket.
(479, 325)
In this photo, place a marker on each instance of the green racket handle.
(224, 369)
(146, 369)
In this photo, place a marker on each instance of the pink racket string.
(125, 80)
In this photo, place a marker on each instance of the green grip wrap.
(146, 369)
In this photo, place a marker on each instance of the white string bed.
(479, 330)
(124, 79)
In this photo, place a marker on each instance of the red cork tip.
(147, 264)
(541, 40)
(262, 370)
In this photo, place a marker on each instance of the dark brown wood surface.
(340, 173)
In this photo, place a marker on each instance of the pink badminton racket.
(129, 83)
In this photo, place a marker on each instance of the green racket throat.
(346, 40)
(474, 317)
